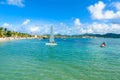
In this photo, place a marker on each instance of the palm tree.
(5, 31)
(1, 32)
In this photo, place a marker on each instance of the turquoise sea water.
(71, 59)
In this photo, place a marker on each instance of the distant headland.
(107, 35)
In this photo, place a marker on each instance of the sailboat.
(51, 40)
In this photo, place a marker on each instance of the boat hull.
(51, 44)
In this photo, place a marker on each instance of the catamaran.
(51, 40)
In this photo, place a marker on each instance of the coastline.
(12, 38)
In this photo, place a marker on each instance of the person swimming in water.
(103, 44)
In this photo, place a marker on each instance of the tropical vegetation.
(4, 32)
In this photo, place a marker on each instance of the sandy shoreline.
(11, 38)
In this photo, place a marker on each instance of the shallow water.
(71, 59)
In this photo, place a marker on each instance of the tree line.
(4, 32)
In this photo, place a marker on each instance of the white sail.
(51, 35)
(51, 40)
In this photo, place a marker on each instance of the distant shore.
(12, 38)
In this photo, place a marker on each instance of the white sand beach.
(11, 38)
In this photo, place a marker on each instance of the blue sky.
(67, 16)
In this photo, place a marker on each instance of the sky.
(66, 16)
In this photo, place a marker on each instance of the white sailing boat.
(51, 40)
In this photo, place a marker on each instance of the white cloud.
(18, 3)
(115, 28)
(102, 28)
(75, 28)
(98, 11)
(117, 5)
(26, 22)
(77, 22)
(95, 28)
(34, 29)
(6, 25)
(98, 28)
(62, 28)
